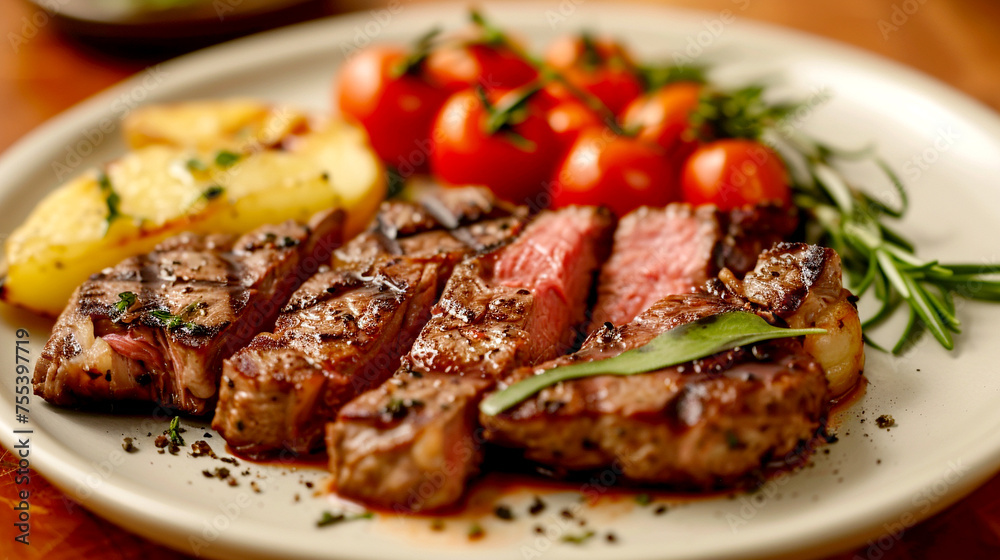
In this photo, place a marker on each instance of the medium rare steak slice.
(346, 328)
(156, 327)
(411, 443)
(676, 249)
(701, 425)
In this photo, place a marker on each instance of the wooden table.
(957, 42)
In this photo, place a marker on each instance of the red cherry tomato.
(619, 172)
(732, 173)
(662, 117)
(466, 63)
(515, 161)
(602, 67)
(568, 119)
(396, 109)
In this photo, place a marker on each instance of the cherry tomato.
(515, 161)
(732, 173)
(600, 66)
(662, 117)
(397, 109)
(466, 63)
(619, 172)
(568, 119)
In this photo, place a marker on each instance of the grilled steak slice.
(156, 327)
(411, 443)
(344, 330)
(676, 249)
(699, 425)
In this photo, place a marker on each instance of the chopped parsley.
(111, 199)
(578, 539)
(172, 432)
(125, 301)
(191, 308)
(195, 164)
(225, 158)
(643, 499)
(334, 518)
(398, 408)
(174, 322)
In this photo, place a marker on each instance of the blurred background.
(56, 53)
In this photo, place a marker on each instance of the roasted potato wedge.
(98, 219)
(239, 125)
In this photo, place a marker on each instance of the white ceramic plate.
(873, 481)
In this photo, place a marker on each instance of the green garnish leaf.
(398, 408)
(195, 164)
(334, 518)
(740, 113)
(173, 434)
(643, 499)
(578, 539)
(655, 77)
(175, 322)
(874, 255)
(685, 343)
(415, 58)
(111, 199)
(225, 158)
(844, 217)
(125, 301)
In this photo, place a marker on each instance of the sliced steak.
(344, 330)
(676, 249)
(411, 443)
(702, 425)
(157, 327)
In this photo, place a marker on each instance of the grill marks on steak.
(701, 425)
(676, 249)
(221, 290)
(345, 329)
(411, 443)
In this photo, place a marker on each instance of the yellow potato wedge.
(239, 125)
(96, 220)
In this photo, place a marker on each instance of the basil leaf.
(698, 339)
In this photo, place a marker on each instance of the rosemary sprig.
(875, 256)
(846, 218)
